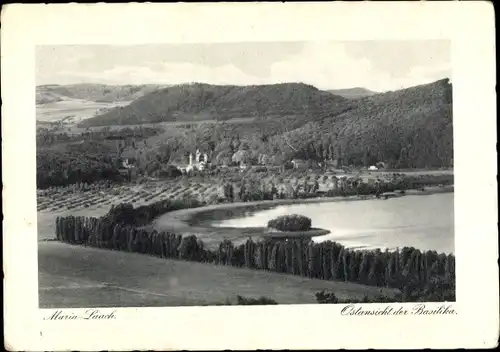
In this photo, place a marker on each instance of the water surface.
(424, 222)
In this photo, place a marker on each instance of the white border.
(470, 26)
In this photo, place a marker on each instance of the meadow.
(74, 110)
(123, 279)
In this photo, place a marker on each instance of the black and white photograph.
(245, 173)
(249, 176)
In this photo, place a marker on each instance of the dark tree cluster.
(292, 222)
(45, 138)
(91, 156)
(144, 214)
(54, 168)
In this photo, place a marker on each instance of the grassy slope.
(73, 276)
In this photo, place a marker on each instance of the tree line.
(253, 188)
(45, 137)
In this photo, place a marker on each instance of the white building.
(198, 164)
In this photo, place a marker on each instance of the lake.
(424, 222)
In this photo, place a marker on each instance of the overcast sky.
(376, 65)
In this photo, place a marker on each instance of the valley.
(160, 150)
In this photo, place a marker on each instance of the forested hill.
(412, 127)
(92, 92)
(189, 102)
(409, 128)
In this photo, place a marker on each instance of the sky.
(375, 65)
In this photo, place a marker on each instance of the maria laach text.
(89, 314)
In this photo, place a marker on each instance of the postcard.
(249, 176)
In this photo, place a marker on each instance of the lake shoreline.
(197, 221)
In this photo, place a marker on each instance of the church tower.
(198, 156)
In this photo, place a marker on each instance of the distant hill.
(102, 93)
(197, 101)
(352, 93)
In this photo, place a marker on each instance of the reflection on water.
(424, 222)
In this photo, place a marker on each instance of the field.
(73, 109)
(72, 276)
(96, 202)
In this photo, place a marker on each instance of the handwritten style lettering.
(89, 314)
(419, 309)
